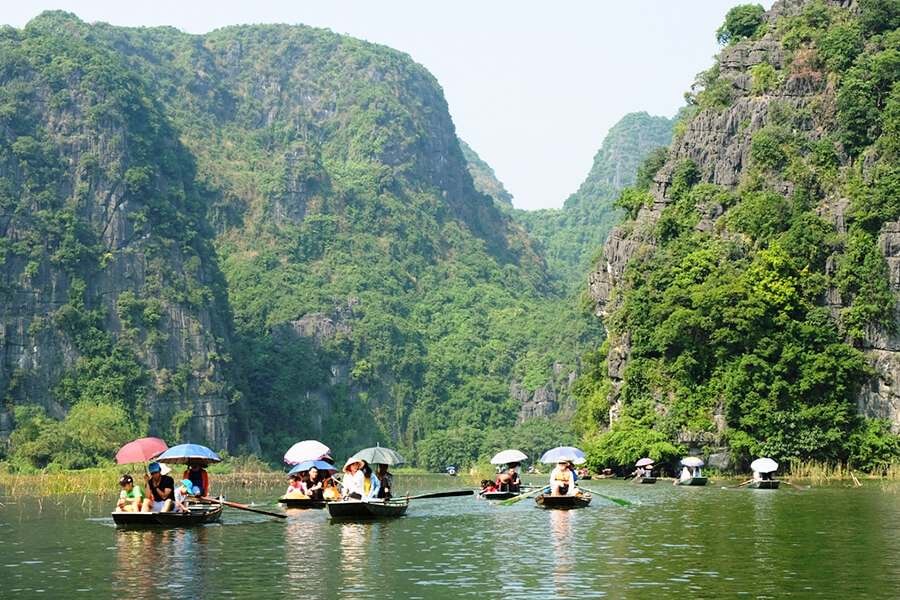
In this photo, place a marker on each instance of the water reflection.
(564, 549)
(308, 569)
(173, 560)
(355, 552)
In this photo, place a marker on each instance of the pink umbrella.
(644, 462)
(141, 450)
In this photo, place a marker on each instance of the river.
(672, 542)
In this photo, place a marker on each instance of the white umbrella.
(764, 465)
(305, 450)
(508, 456)
(569, 453)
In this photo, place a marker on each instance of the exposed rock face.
(719, 144)
(542, 403)
(121, 251)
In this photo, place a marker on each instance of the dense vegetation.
(729, 331)
(331, 173)
(58, 93)
(570, 237)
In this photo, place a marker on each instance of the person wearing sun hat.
(181, 491)
(354, 479)
(562, 481)
(161, 488)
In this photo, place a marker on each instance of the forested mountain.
(751, 294)
(361, 289)
(484, 178)
(570, 237)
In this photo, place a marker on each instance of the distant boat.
(692, 481)
(302, 503)
(367, 509)
(641, 479)
(563, 502)
(764, 484)
(200, 514)
(451, 470)
(498, 495)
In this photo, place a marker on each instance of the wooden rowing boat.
(302, 503)
(764, 484)
(499, 495)
(644, 480)
(200, 514)
(505, 495)
(367, 509)
(563, 502)
(693, 481)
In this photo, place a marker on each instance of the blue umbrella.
(183, 454)
(309, 464)
(566, 453)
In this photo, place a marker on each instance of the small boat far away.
(692, 481)
(641, 479)
(764, 484)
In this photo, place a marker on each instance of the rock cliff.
(105, 253)
(719, 142)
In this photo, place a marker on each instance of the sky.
(533, 86)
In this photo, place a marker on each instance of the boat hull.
(360, 509)
(562, 502)
(765, 484)
(201, 514)
(644, 480)
(302, 503)
(499, 495)
(693, 481)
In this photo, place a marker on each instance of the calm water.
(674, 542)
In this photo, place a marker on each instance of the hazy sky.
(533, 86)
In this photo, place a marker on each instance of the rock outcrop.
(718, 141)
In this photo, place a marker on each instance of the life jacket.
(199, 478)
(561, 475)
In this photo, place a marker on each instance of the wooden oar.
(799, 487)
(242, 507)
(438, 495)
(515, 499)
(611, 499)
(731, 487)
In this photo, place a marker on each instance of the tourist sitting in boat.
(312, 487)
(757, 476)
(132, 498)
(509, 481)
(487, 485)
(181, 491)
(386, 481)
(354, 480)
(161, 488)
(330, 490)
(197, 474)
(295, 486)
(371, 485)
(562, 480)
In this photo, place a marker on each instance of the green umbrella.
(377, 456)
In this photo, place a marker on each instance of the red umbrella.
(141, 450)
